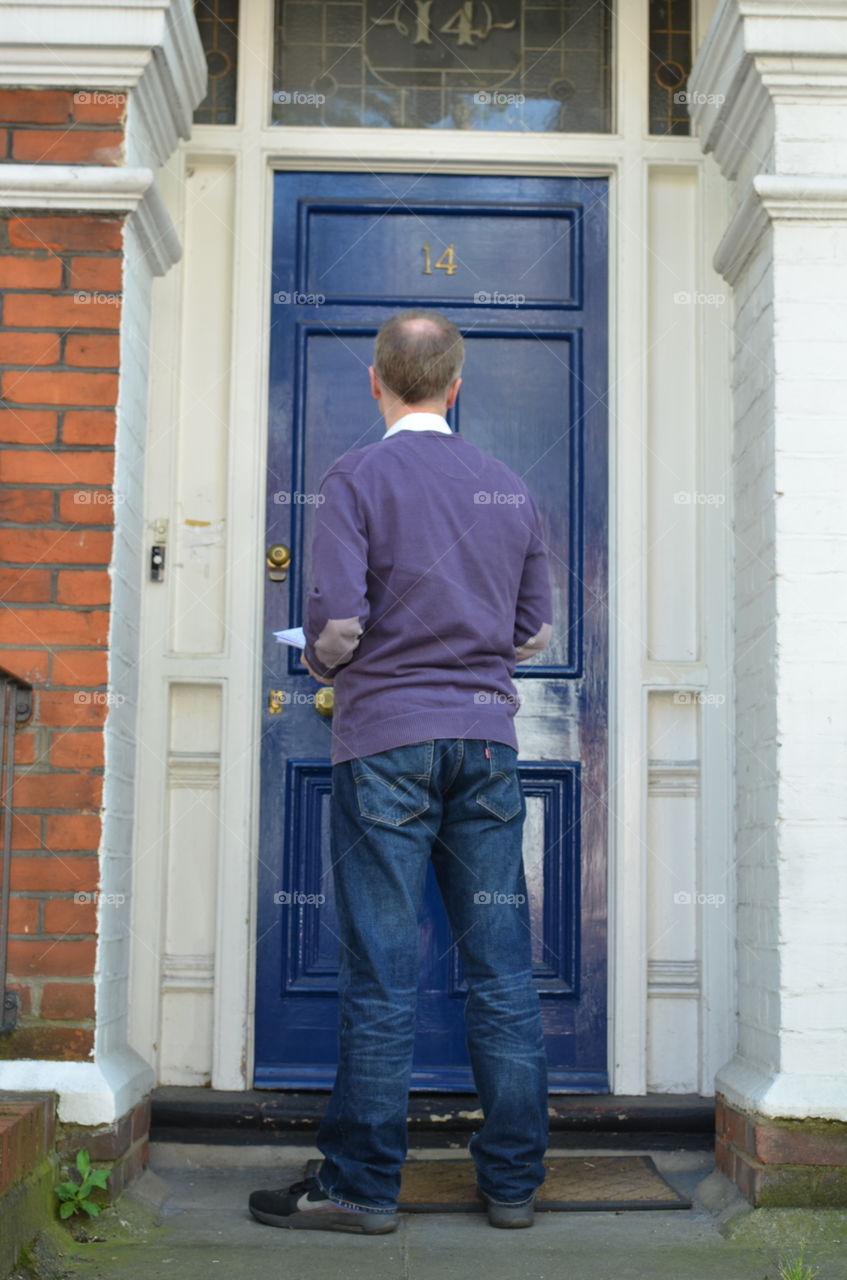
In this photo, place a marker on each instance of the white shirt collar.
(419, 422)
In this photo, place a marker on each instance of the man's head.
(417, 362)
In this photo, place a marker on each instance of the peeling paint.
(451, 1115)
(197, 536)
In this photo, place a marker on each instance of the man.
(430, 582)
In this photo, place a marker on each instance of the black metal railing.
(15, 708)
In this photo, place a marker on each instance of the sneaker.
(306, 1205)
(509, 1215)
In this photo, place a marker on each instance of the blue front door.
(520, 264)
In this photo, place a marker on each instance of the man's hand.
(314, 674)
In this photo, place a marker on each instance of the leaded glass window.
(670, 64)
(531, 65)
(217, 22)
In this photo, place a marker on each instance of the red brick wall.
(60, 307)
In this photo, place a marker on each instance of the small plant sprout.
(76, 1195)
(797, 1268)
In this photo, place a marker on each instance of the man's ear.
(452, 393)
(376, 389)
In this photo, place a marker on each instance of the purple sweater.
(430, 581)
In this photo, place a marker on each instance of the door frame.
(254, 151)
(624, 927)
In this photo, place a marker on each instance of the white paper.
(294, 635)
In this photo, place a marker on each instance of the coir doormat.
(573, 1183)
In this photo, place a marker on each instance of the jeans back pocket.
(500, 792)
(393, 786)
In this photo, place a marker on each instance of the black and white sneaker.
(306, 1205)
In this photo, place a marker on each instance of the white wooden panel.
(675, 502)
(674, 899)
(198, 624)
(195, 718)
(190, 927)
(672, 1048)
(186, 1037)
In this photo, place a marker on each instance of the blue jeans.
(460, 802)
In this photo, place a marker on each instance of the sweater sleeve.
(336, 606)
(534, 611)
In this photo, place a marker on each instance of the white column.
(769, 96)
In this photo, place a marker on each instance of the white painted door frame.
(256, 150)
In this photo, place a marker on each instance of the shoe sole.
(508, 1216)
(369, 1224)
(497, 1220)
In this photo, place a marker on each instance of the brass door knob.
(324, 701)
(279, 559)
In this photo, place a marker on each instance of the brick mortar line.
(62, 408)
(63, 126)
(42, 407)
(56, 528)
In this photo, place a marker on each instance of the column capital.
(778, 198)
(96, 189)
(760, 57)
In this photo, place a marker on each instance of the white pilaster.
(769, 94)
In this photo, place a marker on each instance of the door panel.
(348, 250)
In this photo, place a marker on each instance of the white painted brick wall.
(755, 713)
(790, 477)
(811, 588)
(120, 732)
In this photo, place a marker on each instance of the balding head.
(419, 355)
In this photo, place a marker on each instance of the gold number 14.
(447, 262)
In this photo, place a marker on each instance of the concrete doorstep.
(186, 1218)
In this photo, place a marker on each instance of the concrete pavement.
(187, 1219)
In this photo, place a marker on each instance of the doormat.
(573, 1183)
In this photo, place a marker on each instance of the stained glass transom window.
(217, 22)
(531, 65)
(670, 64)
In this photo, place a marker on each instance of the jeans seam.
(350, 1204)
(460, 755)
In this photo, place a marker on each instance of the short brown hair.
(418, 355)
